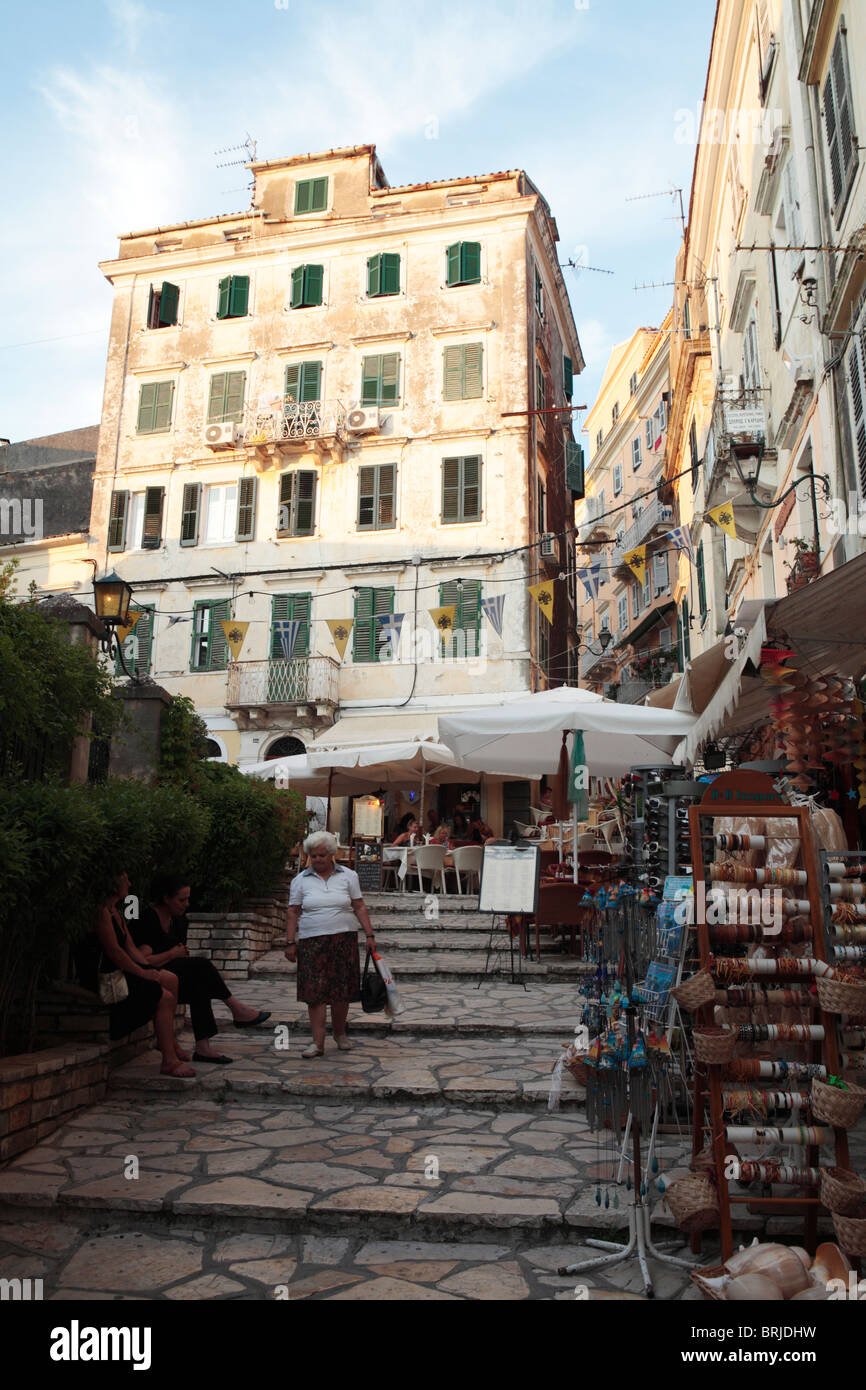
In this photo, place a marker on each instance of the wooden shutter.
(374, 275)
(239, 296)
(200, 637)
(146, 407)
(301, 606)
(454, 373)
(314, 278)
(153, 308)
(224, 297)
(857, 385)
(568, 376)
(451, 489)
(305, 502)
(117, 521)
(362, 629)
(390, 273)
(190, 510)
(385, 502)
(383, 602)
(279, 614)
(218, 649)
(154, 498)
(162, 406)
(831, 123)
(473, 375)
(311, 381)
(319, 195)
(470, 262)
(702, 582)
(574, 469)
(471, 500)
(234, 398)
(138, 645)
(246, 524)
(467, 616)
(284, 514)
(366, 498)
(293, 381)
(216, 399)
(453, 255)
(168, 302)
(304, 196)
(390, 378)
(370, 372)
(297, 298)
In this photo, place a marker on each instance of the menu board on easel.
(368, 864)
(510, 875)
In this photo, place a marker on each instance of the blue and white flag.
(589, 580)
(287, 630)
(392, 624)
(682, 539)
(492, 610)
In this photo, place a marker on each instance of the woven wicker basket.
(694, 992)
(714, 1045)
(577, 1067)
(702, 1278)
(851, 1232)
(836, 1107)
(842, 1192)
(840, 997)
(694, 1202)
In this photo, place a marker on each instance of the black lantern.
(748, 458)
(112, 597)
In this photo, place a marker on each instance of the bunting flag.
(392, 624)
(543, 595)
(340, 630)
(636, 561)
(578, 777)
(287, 630)
(723, 516)
(235, 634)
(590, 581)
(443, 620)
(123, 632)
(492, 610)
(682, 539)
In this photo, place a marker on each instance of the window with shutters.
(599, 440)
(687, 318)
(311, 195)
(307, 286)
(540, 391)
(155, 400)
(568, 376)
(189, 516)
(370, 638)
(117, 520)
(542, 508)
(234, 297)
(154, 503)
(693, 452)
(660, 572)
(842, 153)
(462, 374)
(291, 608)
(662, 416)
(376, 496)
(380, 379)
(226, 397)
(162, 306)
(622, 613)
(539, 292)
(649, 432)
(464, 263)
(856, 369)
(303, 382)
(635, 453)
(574, 470)
(614, 414)
(383, 274)
(137, 648)
(461, 488)
(246, 519)
(702, 582)
(617, 479)
(221, 502)
(542, 642)
(210, 650)
(465, 597)
(751, 364)
(297, 512)
(632, 384)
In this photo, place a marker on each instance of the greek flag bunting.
(682, 539)
(492, 610)
(287, 630)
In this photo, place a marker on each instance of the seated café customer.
(442, 834)
(411, 831)
(547, 805)
(460, 832)
(480, 831)
(160, 935)
(152, 992)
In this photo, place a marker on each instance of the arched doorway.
(286, 747)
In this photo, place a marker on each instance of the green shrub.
(253, 827)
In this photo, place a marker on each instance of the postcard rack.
(761, 1098)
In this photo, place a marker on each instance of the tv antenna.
(578, 265)
(670, 192)
(249, 148)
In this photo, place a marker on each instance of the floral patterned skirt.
(329, 969)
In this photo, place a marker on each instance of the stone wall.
(233, 940)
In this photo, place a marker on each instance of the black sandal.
(261, 1017)
(221, 1059)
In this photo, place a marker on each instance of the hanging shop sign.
(741, 790)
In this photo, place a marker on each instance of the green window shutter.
(190, 514)
(471, 499)
(304, 196)
(216, 398)
(223, 301)
(390, 273)
(293, 381)
(574, 470)
(568, 377)
(383, 602)
(163, 404)
(279, 614)
(702, 581)
(284, 515)
(246, 524)
(234, 397)
(198, 652)
(454, 373)
(370, 372)
(366, 498)
(387, 481)
(146, 407)
(319, 195)
(390, 378)
(305, 502)
(469, 615)
(362, 629)
(311, 381)
(301, 607)
(117, 521)
(218, 648)
(154, 498)
(297, 287)
(451, 489)
(314, 279)
(239, 296)
(374, 276)
(473, 375)
(168, 301)
(470, 262)
(453, 254)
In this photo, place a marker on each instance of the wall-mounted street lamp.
(111, 596)
(605, 637)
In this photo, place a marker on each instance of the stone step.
(444, 965)
(420, 938)
(413, 902)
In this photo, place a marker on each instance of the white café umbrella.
(403, 764)
(522, 737)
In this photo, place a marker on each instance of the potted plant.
(804, 566)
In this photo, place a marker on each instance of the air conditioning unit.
(362, 419)
(223, 436)
(548, 547)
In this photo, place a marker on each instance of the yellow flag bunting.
(235, 635)
(340, 630)
(123, 632)
(723, 516)
(543, 595)
(443, 620)
(636, 561)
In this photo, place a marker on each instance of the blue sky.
(114, 109)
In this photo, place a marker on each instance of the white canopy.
(523, 736)
(394, 764)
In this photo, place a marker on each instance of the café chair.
(429, 859)
(467, 860)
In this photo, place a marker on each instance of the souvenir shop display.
(770, 1273)
(759, 915)
(657, 801)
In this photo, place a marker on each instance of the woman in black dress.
(152, 992)
(160, 935)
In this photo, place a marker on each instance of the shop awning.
(384, 727)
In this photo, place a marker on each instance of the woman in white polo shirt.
(325, 909)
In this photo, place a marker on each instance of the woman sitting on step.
(160, 935)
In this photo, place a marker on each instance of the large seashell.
(783, 1266)
(753, 1288)
(741, 1260)
(803, 1255)
(829, 1263)
(815, 1294)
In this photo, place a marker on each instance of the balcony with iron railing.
(308, 688)
(653, 516)
(292, 425)
(593, 663)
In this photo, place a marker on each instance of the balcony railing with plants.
(293, 422)
(310, 680)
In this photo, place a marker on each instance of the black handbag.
(374, 995)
